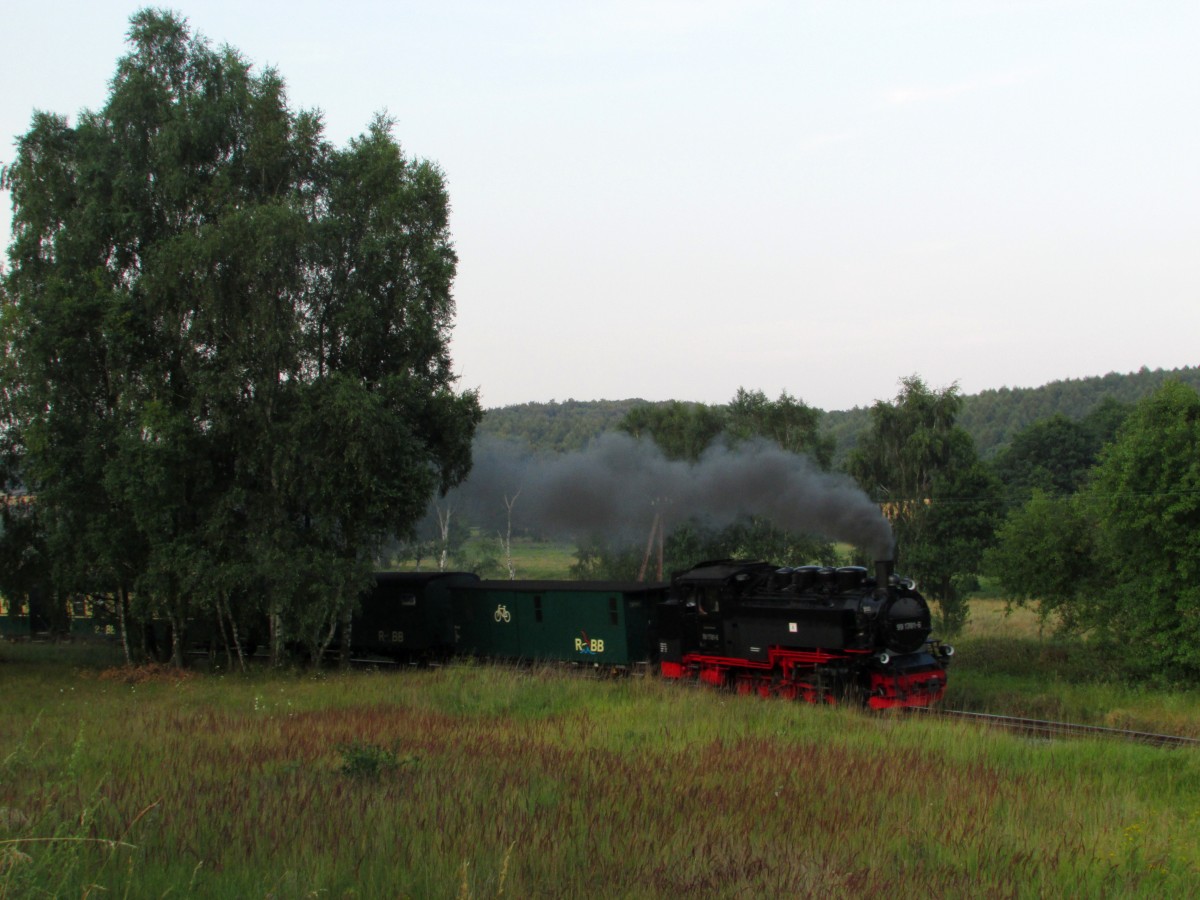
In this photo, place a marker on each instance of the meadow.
(489, 781)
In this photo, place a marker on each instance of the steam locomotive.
(813, 633)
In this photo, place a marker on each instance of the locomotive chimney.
(883, 574)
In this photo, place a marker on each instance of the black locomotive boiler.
(813, 633)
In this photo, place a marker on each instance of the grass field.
(533, 559)
(542, 559)
(482, 781)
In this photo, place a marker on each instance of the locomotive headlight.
(884, 659)
(946, 651)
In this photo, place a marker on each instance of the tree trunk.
(347, 622)
(507, 541)
(321, 645)
(237, 643)
(220, 613)
(276, 648)
(122, 599)
(177, 627)
(444, 529)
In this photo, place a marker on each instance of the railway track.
(1048, 729)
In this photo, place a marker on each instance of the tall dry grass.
(487, 781)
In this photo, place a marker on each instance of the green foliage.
(941, 500)
(788, 422)
(364, 760)
(484, 556)
(24, 561)
(557, 427)
(1121, 558)
(1045, 553)
(1051, 455)
(1056, 454)
(912, 440)
(947, 548)
(994, 417)
(681, 430)
(228, 372)
(1146, 495)
(600, 560)
(685, 430)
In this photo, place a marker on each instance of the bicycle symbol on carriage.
(502, 614)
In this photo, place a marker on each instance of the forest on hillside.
(991, 417)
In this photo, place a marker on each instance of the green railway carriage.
(595, 623)
(36, 616)
(14, 619)
(407, 615)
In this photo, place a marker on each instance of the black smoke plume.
(615, 487)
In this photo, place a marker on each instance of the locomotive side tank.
(814, 633)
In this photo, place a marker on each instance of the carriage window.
(612, 610)
(537, 607)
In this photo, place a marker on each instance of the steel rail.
(1051, 729)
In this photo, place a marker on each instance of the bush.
(368, 761)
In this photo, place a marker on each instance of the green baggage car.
(407, 615)
(589, 622)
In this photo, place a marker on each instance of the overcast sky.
(670, 200)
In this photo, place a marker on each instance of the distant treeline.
(991, 417)
(557, 427)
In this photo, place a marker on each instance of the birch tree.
(226, 368)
